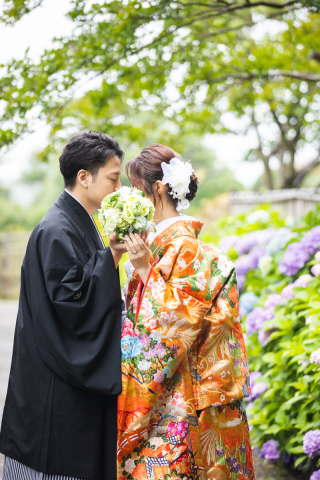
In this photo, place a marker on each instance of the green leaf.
(299, 460)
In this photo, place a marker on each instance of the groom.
(60, 413)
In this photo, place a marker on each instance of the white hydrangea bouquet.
(126, 210)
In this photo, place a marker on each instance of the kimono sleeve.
(218, 358)
(78, 323)
(175, 301)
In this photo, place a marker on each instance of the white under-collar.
(167, 223)
(66, 190)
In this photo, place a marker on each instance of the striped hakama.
(13, 470)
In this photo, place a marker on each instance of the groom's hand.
(117, 249)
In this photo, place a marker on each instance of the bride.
(184, 364)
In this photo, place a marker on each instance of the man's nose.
(119, 185)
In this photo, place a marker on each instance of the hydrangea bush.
(278, 269)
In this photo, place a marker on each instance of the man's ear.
(83, 178)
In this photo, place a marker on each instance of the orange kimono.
(184, 367)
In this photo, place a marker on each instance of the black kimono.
(60, 414)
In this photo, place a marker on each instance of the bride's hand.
(139, 255)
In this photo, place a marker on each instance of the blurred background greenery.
(175, 72)
(188, 74)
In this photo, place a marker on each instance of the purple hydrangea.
(254, 255)
(249, 405)
(255, 320)
(279, 241)
(311, 240)
(258, 389)
(315, 270)
(315, 357)
(311, 443)
(248, 262)
(247, 242)
(247, 302)
(270, 450)
(243, 265)
(303, 281)
(228, 242)
(315, 475)
(287, 292)
(241, 280)
(268, 314)
(294, 259)
(253, 378)
(263, 336)
(257, 237)
(273, 300)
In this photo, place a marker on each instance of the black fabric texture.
(61, 407)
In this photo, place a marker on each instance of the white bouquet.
(124, 211)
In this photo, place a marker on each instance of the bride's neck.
(165, 211)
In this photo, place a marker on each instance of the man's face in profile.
(105, 181)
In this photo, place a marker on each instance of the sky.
(35, 31)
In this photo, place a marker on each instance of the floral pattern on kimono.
(184, 367)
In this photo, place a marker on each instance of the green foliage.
(183, 65)
(290, 407)
(13, 217)
(13, 10)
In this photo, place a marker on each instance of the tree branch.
(15, 13)
(315, 56)
(249, 24)
(309, 77)
(304, 171)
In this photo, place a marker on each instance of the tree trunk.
(268, 174)
(292, 171)
(282, 170)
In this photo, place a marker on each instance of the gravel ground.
(8, 312)
(270, 471)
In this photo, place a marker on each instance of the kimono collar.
(181, 228)
(70, 205)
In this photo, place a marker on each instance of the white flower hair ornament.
(177, 175)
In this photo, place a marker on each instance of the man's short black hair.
(88, 151)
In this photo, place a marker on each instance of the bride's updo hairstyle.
(143, 171)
